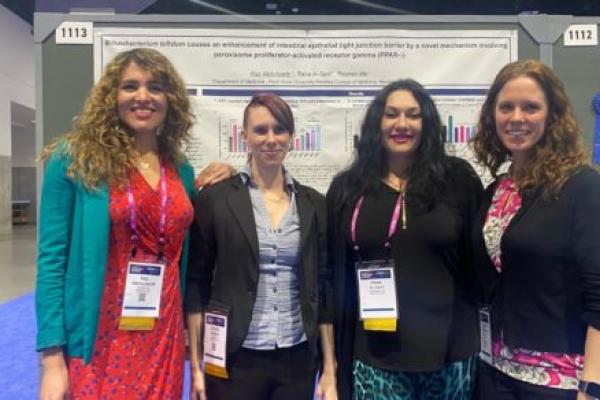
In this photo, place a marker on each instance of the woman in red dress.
(150, 359)
(115, 201)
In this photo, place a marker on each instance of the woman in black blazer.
(258, 257)
(537, 242)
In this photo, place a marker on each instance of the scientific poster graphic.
(321, 146)
(328, 78)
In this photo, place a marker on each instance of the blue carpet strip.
(19, 373)
(19, 365)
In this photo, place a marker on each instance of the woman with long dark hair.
(398, 220)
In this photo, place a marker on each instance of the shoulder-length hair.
(370, 164)
(100, 145)
(556, 154)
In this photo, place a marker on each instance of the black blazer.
(223, 260)
(549, 288)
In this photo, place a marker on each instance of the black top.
(434, 277)
(223, 258)
(549, 288)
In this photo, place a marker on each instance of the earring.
(159, 130)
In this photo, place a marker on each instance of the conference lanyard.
(144, 279)
(375, 279)
(163, 215)
(399, 206)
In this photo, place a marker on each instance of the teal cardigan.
(74, 229)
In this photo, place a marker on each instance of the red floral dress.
(139, 364)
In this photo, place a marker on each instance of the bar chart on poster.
(459, 114)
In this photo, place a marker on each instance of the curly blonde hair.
(100, 145)
(560, 150)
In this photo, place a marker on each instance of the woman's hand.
(591, 367)
(55, 376)
(326, 389)
(197, 387)
(214, 172)
(583, 396)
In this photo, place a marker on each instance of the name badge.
(485, 333)
(141, 300)
(215, 343)
(378, 303)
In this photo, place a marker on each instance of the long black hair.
(370, 164)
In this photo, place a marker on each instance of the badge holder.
(485, 333)
(378, 303)
(141, 301)
(215, 341)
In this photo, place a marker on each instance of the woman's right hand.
(197, 388)
(55, 376)
(214, 172)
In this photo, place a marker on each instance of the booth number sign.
(75, 33)
(581, 35)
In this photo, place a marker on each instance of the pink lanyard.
(393, 223)
(163, 215)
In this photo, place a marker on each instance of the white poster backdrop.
(328, 77)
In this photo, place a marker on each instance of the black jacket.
(223, 259)
(549, 288)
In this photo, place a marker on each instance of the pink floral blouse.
(560, 371)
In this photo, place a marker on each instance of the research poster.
(328, 78)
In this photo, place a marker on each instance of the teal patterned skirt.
(453, 382)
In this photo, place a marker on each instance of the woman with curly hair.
(536, 243)
(112, 248)
(399, 223)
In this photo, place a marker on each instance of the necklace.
(143, 164)
(397, 186)
(400, 187)
(396, 181)
(273, 199)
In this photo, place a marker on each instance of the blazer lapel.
(306, 213)
(95, 238)
(481, 217)
(241, 207)
(528, 198)
(95, 232)
(486, 273)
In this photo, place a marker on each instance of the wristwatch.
(592, 389)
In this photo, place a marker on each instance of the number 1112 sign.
(581, 35)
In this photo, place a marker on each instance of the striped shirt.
(276, 318)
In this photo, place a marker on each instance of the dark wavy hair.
(560, 150)
(370, 164)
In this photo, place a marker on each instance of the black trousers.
(495, 385)
(280, 374)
